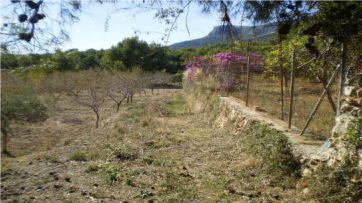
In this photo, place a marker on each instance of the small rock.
(30, 163)
(56, 178)
(305, 191)
(306, 172)
(22, 188)
(275, 196)
(231, 190)
(58, 185)
(32, 197)
(95, 185)
(186, 175)
(241, 194)
(67, 179)
(83, 193)
(72, 190)
(51, 173)
(129, 108)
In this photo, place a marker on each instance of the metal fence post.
(291, 92)
(247, 80)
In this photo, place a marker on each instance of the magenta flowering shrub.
(218, 64)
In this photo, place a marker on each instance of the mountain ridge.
(219, 35)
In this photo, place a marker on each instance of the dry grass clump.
(78, 155)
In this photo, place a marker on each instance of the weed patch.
(92, 167)
(77, 155)
(125, 153)
(110, 173)
(273, 148)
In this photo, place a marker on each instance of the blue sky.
(90, 31)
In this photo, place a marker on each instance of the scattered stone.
(30, 163)
(83, 192)
(58, 186)
(129, 108)
(231, 190)
(72, 190)
(31, 197)
(275, 196)
(306, 172)
(22, 188)
(67, 179)
(305, 191)
(186, 175)
(51, 173)
(56, 178)
(241, 194)
(95, 185)
(349, 90)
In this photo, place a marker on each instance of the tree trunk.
(118, 106)
(97, 121)
(4, 140)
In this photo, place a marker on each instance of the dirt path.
(154, 150)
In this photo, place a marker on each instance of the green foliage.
(21, 105)
(77, 155)
(333, 183)
(273, 148)
(110, 173)
(92, 167)
(125, 153)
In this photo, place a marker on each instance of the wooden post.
(228, 85)
(342, 78)
(320, 100)
(291, 92)
(247, 80)
(281, 78)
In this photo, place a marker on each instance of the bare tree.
(89, 91)
(115, 86)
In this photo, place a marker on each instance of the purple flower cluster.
(219, 63)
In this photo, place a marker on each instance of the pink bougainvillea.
(220, 61)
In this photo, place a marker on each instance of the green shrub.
(91, 168)
(125, 153)
(22, 105)
(110, 173)
(77, 155)
(273, 148)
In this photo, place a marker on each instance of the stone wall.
(345, 143)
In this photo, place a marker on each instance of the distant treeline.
(127, 54)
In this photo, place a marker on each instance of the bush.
(273, 148)
(91, 168)
(110, 173)
(77, 155)
(22, 105)
(125, 153)
(18, 103)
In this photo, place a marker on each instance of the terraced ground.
(156, 149)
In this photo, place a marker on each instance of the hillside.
(219, 34)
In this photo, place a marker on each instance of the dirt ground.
(154, 150)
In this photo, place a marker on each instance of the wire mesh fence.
(264, 93)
